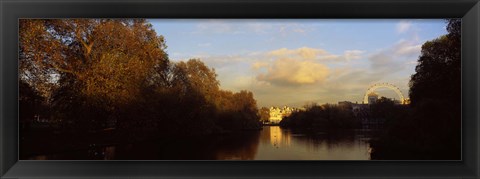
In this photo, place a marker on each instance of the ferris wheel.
(383, 85)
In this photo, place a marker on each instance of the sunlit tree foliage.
(91, 73)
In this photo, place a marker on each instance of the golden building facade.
(277, 114)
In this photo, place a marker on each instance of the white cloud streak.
(403, 26)
(233, 27)
(294, 72)
(296, 76)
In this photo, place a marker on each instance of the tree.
(90, 51)
(383, 108)
(435, 90)
(85, 58)
(31, 103)
(247, 107)
(432, 130)
(197, 76)
(320, 118)
(438, 73)
(90, 77)
(264, 114)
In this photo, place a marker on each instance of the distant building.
(357, 107)
(277, 114)
(354, 106)
(372, 98)
(344, 103)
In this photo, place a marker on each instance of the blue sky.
(297, 61)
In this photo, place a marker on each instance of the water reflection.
(288, 145)
(277, 137)
(271, 143)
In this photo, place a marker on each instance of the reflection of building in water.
(277, 138)
(277, 114)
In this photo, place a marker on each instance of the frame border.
(12, 10)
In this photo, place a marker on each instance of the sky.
(293, 62)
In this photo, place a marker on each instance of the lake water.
(271, 143)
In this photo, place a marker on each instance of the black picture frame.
(12, 10)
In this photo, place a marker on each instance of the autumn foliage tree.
(92, 72)
(264, 113)
(92, 65)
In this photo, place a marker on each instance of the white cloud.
(304, 52)
(395, 58)
(214, 26)
(407, 48)
(393, 64)
(413, 62)
(381, 60)
(292, 28)
(293, 72)
(353, 54)
(288, 76)
(301, 66)
(403, 26)
(233, 27)
(260, 64)
(315, 54)
(259, 28)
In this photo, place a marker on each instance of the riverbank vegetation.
(429, 128)
(321, 118)
(432, 128)
(90, 75)
(108, 81)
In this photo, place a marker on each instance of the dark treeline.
(428, 128)
(86, 75)
(321, 118)
(337, 117)
(431, 129)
